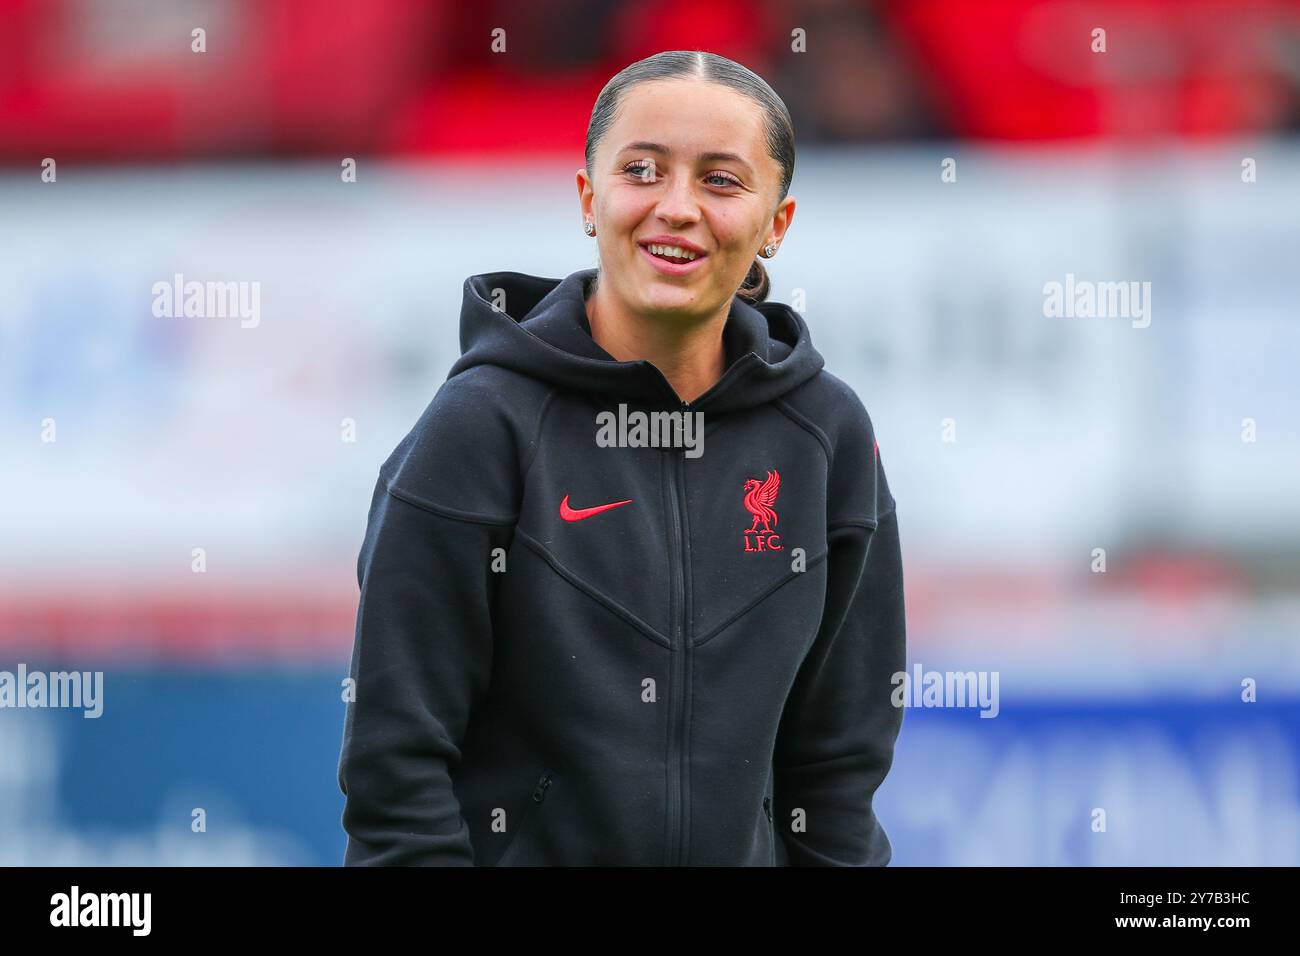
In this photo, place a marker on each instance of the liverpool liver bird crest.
(759, 498)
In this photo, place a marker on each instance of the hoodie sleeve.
(422, 653)
(836, 740)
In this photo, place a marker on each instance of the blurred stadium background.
(1119, 690)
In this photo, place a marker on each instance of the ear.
(586, 195)
(781, 220)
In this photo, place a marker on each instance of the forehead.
(690, 117)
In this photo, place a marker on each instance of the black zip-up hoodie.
(574, 654)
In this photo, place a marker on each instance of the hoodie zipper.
(539, 794)
(681, 663)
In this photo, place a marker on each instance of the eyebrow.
(712, 157)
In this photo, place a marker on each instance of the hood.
(540, 329)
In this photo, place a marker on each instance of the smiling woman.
(572, 650)
(689, 160)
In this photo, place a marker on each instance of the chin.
(670, 300)
(673, 291)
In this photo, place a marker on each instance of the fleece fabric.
(572, 654)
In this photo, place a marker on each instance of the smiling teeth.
(676, 252)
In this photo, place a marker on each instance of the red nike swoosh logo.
(577, 514)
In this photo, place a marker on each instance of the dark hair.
(715, 69)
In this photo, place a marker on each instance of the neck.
(689, 352)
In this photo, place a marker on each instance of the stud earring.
(589, 227)
(769, 250)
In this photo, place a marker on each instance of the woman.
(591, 632)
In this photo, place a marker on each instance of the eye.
(728, 179)
(639, 169)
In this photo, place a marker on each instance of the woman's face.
(685, 159)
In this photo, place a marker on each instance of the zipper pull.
(539, 794)
(685, 410)
(767, 808)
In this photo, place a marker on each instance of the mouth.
(671, 259)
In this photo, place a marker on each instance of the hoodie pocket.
(771, 828)
(530, 811)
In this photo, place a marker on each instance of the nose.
(677, 204)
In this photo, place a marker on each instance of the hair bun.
(756, 285)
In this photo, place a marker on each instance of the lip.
(672, 268)
(667, 240)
